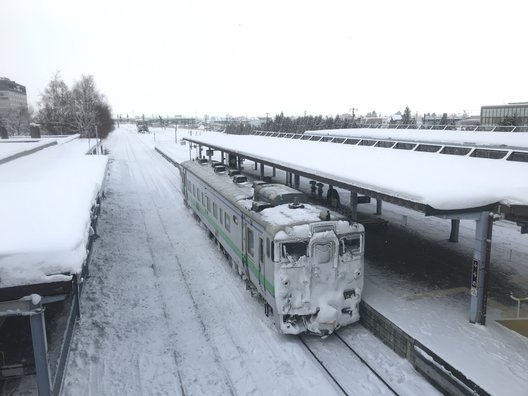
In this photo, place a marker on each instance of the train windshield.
(350, 244)
(294, 250)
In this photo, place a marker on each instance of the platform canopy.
(429, 182)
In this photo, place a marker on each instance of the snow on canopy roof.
(443, 182)
(495, 139)
(45, 213)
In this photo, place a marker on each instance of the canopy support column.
(353, 205)
(40, 350)
(455, 226)
(480, 268)
(378, 206)
(296, 181)
(261, 171)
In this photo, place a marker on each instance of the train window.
(350, 244)
(235, 219)
(250, 242)
(295, 250)
(268, 247)
(215, 210)
(227, 222)
(203, 199)
(194, 191)
(221, 216)
(261, 250)
(208, 203)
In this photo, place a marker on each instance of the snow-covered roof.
(45, 213)
(443, 182)
(511, 140)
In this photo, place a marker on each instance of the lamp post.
(96, 140)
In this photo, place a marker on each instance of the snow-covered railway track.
(352, 374)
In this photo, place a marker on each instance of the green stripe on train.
(251, 265)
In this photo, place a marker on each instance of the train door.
(185, 182)
(245, 246)
(261, 277)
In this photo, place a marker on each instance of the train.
(305, 260)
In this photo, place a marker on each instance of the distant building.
(496, 115)
(440, 120)
(14, 115)
(12, 96)
(396, 119)
(468, 122)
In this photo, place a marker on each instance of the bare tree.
(85, 100)
(55, 112)
(17, 121)
(78, 110)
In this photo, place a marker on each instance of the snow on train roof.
(277, 216)
(221, 182)
(517, 140)
(443, 182)
(45, 213)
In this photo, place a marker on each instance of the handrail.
(519, 300)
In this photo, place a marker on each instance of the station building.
(14, 116)
(495, 115)
(12, 95)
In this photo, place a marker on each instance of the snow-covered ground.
(436, 314)
(164, 313)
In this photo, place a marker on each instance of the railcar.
(304, 260)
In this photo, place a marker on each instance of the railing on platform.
(519, 301)
(468, 128)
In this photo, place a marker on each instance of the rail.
(333, 373)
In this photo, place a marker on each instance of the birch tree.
(55, 113)
(85, 100)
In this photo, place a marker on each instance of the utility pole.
(353, 110)
(96, 140)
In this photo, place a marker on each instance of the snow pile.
(46, 202)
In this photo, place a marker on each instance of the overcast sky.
(243, 57)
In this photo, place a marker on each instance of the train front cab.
(319, 279)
